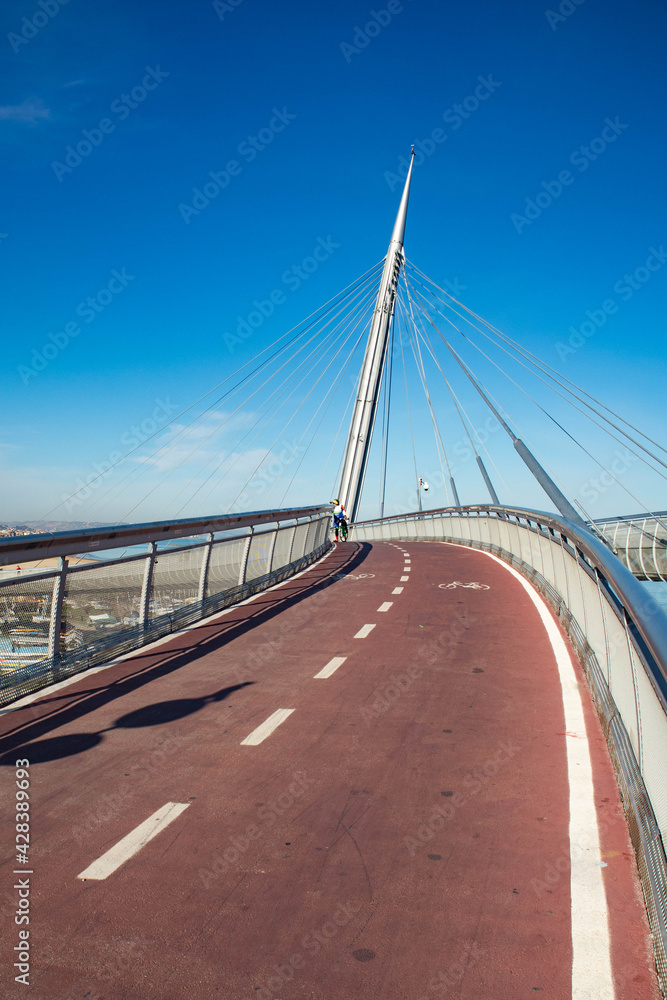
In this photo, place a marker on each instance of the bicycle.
(342, 527)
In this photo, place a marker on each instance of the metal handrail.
(649, 618)
(62, 543)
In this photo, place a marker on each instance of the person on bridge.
(339, 519)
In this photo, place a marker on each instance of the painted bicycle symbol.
(466, 586)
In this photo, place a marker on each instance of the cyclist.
(339, 519)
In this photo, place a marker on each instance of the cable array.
(260, 434)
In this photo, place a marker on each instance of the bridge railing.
(640, 542)
(90, 595)
(620, 633)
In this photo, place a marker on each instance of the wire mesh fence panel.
(300, 541)
(310, 537)
(175, 581)
(641, 545)
(321, 533)
(99, 603)
(653, 743)
(632, 549)
(281, 552)
(225, 565)
(25, 614)
(259, 556)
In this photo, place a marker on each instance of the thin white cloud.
(183, 445)
(30, 112)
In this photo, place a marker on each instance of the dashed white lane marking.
(331, 667)
(397, 590)
(364, 631)
(406, 554)
(385, 606)
(404, 579)
(591, 963)
(130, 845)
(266, 728)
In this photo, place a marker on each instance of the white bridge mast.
(359, 438)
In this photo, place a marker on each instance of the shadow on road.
(149, 715)
(206, 637)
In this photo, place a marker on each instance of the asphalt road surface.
(383, 778)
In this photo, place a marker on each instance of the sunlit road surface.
(367, 782)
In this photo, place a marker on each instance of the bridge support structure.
(357, 448)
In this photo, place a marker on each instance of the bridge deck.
(402, 833)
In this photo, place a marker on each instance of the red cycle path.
(403, 834)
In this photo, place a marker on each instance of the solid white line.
(130, 845)
(404, 579)
(331, 667)
(397, 590)
(385, 606)
(591, 964)
(266, 728)
(364, 631)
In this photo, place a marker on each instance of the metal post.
(558, 499)
(457, 502)
(57, 610)
(203, 575)
(359, 437)
(148, 583)
(291, 544)
(489, 484)
(272, 549)
(244, 559)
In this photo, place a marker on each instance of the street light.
(422, 486)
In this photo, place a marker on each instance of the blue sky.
(336, 110)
